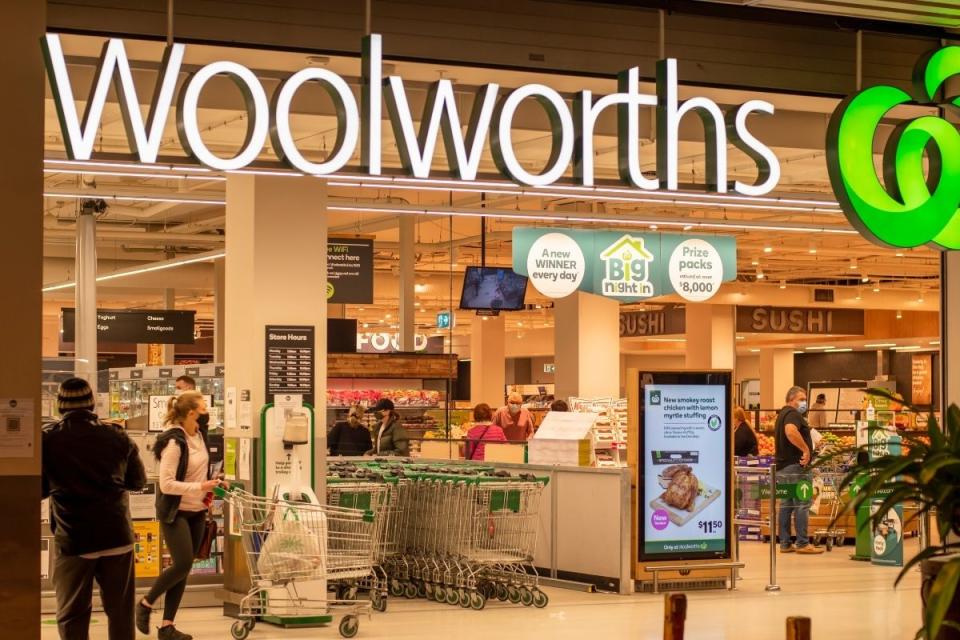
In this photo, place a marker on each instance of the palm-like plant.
(927, 474)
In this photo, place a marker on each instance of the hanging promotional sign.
(350, 271)
(906, 208)
(359, 122)
(626, 267)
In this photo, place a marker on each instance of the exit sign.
(444, 320)
(549, 367)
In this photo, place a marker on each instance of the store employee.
(516, 422)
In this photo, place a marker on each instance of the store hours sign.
(626, 267)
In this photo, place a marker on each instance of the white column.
(711, 336)
(219, 308)
(408, 293)
(488, 363)
(85, 299)
(587, 346)
(776, 377)
(276, 264)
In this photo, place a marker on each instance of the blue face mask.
(802, 407)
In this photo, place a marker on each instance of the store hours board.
(290, 361)
(685, 463)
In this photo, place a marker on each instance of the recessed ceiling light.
(813, 249)
(900, 253)
(768, 249)
(853, 263)
(899, 314)
(755, 261)
(876, 287)
(754, 350)
(865, 278)
(783, 284)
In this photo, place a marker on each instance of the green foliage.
(928, 475)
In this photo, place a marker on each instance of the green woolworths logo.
(913, 208)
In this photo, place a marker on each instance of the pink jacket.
(477, 435)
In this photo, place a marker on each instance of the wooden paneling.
(391, 365)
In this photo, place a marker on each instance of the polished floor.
(847, 600)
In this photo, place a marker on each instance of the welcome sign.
(623, 266)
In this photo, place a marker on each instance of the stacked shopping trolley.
(456, 534)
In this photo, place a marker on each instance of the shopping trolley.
(286, 543)
(828, 479)
(371, 493)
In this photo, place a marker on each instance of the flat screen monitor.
(685, 466)
(341, 335)
(493, 288)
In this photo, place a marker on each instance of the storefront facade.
(531, 146)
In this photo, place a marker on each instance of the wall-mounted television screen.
(493, 288)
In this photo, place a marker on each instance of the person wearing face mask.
(389, 437)
(793, 457)
(183, 498)
(516, 422)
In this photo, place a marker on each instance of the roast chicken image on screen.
(683, 486)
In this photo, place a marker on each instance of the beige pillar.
(488, 366)
(408, 292)
(276, 265)
(169, 302)
(219, 308)
(587, 346)
(711, 336)
(21, 277)
(776, 377)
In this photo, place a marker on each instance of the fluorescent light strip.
(125, 174)
(807, 204)
(733, 224)
(821, 348)
(935, 342)
(127, 165)
(908, 348)
(880, 345)
(843, 350)
(666, 339)
(160, 266)
(94, 196)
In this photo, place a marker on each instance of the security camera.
(93, 207)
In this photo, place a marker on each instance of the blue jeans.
(800, 509)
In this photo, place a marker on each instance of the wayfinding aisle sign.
(154, 326)
(626, 267)
(685, 467)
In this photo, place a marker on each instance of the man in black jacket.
(88, 468)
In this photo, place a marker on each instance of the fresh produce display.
(369, 397)
(765, 444)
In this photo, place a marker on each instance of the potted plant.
(928, 475)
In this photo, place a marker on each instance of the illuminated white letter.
(628, 130)
(669, 115)
(79, 138)
(370, 99)
(585, 114)
(258, 113)
(440, 113)
(561, 128)
(348, 122)
(768, 167)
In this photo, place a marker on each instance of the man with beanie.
(88, 468)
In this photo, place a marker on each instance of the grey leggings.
(183, 537)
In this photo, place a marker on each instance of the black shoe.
(170, 633)
(143, 618)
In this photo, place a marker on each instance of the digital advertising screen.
(492, 288)
(685, 466)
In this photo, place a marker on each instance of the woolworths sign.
(489, 124)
